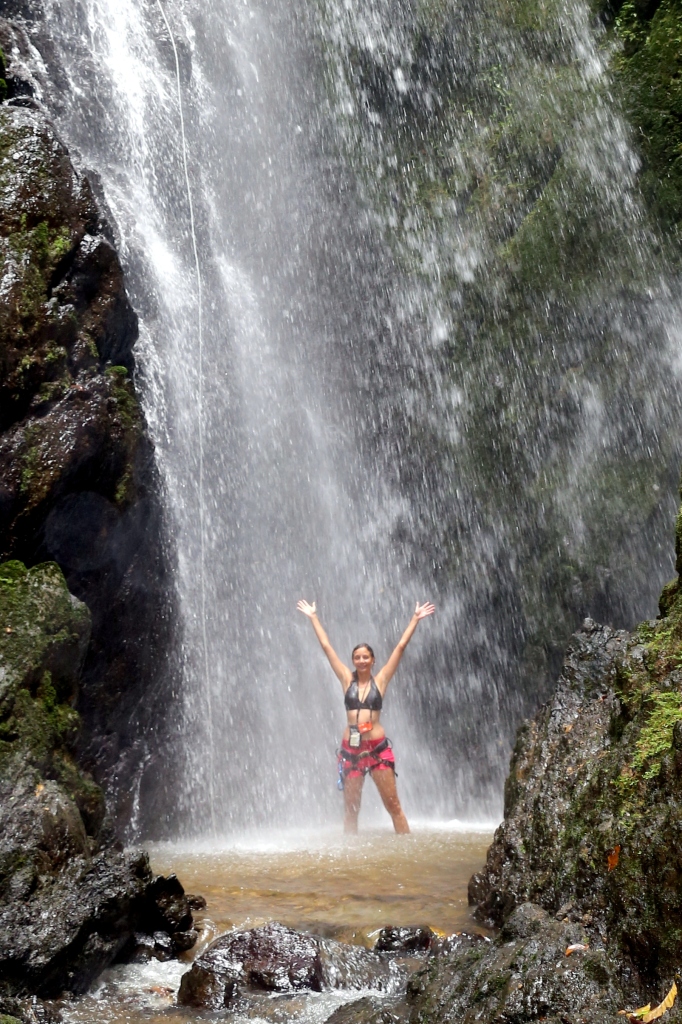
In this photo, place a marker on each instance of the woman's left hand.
(423, 610)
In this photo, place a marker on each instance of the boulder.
(404, 940)
(278, 959)
(524, 976)
(70, 900)
(593, 808)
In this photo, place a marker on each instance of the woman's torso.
(365, 700)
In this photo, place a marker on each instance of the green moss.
(36, 252)
(662, 710)
(128, 410)
(30, 469)
(124, 488)
(43, 635)
(650, 67)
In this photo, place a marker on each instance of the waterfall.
(369, 434)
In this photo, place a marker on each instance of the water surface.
(340, 887)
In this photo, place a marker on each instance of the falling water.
(337, 411)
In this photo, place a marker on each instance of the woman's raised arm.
(384, 676)
(342, 672)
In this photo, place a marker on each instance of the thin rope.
(202, 537)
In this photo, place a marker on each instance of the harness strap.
(351, 761)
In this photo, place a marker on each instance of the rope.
(202, 533)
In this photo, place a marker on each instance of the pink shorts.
(356, 762)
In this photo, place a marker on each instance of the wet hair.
(357, 648)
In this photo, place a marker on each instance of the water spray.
(202, 544)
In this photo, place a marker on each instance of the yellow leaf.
(645, 1014)
(659, 1010)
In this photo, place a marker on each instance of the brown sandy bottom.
(319, 881)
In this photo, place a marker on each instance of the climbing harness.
(349, 762)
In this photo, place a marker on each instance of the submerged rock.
(70, 901)
(278, 959)
(404, 940)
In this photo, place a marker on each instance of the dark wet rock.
(363, 1011)
(78, 483)
(273, 958)
(196, 902)
(593, 809)
(70, 903)
(278, 959)
(78, 486)
(171, 903)
(522, 977)
(182, 941)
(404, 940)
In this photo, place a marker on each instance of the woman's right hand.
(307, 609)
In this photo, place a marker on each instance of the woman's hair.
(357, 648)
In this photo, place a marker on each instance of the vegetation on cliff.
(70, 901)
(649, 69)
(78, 484)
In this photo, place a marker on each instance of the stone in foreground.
(277, 959)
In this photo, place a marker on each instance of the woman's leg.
(384, 779)
(352, 795)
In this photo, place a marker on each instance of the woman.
(365, 747)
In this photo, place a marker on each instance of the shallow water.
(345, 888)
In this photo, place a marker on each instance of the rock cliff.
(71, 900)
(77, 478)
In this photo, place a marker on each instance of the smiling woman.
(365, 747)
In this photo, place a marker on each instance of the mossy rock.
(592, 803)
(44, 633)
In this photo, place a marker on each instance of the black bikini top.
(372, 702)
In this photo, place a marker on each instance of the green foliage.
(655, 738)
(650, 68)
(43, 634)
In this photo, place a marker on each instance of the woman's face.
(362, 660)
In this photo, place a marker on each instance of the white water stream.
(285, 409)
(269, 499)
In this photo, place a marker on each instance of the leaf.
(645, 1014)
(659, 1010)
(613, 858)
(577, 947)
